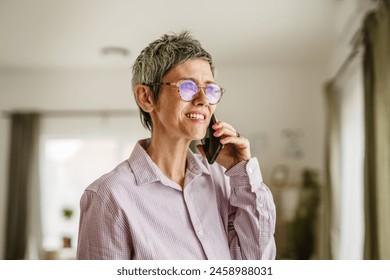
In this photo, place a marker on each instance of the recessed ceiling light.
(116, 51)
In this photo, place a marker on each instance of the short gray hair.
(161, 56)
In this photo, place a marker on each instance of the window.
(74, 153)
(352, 170)
(347, 166)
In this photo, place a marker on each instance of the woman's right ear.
(144, 97)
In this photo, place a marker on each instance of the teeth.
(195, 116)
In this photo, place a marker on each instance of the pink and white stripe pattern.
(136, 212)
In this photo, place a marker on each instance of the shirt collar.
(146, 171)
(196, 164)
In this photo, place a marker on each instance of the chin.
(197, 134)
(201, 135)
(196, 137)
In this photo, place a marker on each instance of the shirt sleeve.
(252, 215)
(102, 233)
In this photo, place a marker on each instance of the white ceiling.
(71, 33)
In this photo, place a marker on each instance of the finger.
(240, 142)
(220, 125)
(241, 147)
(224, 129)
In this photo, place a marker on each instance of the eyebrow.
(196, 81)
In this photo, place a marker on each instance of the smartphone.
(211, 144)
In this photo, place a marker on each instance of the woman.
(165, 202)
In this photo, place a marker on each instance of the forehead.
(197, 69)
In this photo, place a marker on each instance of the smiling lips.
(196, 116)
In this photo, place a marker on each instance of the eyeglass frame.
(177, 85)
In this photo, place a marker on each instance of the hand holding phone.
(211, 144)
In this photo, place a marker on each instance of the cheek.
(172, 111)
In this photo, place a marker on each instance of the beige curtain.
(22, 177)
(377, 119)
(332, 168)
(343, 225)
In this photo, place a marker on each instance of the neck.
(170, 155)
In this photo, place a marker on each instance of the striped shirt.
(136, 212)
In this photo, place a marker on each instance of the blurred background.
(296, 86)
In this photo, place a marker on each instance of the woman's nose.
(200, 98)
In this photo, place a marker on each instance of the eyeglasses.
(188, 89)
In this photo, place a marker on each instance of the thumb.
(200, 149)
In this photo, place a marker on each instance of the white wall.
(263, 101)
(65, 89)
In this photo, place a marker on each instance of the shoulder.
(113, 183)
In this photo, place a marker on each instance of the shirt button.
(250, 170)
(200, 232)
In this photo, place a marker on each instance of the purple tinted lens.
(188, 89)
(213, 93)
